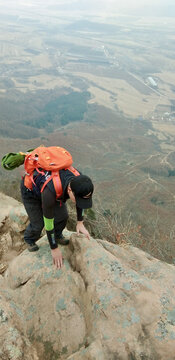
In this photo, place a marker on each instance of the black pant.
(33, 208)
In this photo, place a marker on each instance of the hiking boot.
(62, 240)
(32, 247)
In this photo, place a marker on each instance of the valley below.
(102, 87)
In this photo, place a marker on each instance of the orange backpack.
(53, 158)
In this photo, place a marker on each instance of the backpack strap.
(55, 176)
(57, 184)
(73, 170)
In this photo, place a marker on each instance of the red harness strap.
(73, 170)
(57, 184)
(55, 176)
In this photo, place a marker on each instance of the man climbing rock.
(47, 210)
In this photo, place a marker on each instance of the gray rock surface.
(106, 303)
(13, 221)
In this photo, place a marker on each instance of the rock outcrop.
(13, 221)
(106, 303)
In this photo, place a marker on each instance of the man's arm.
(48, 204)
(80, 226)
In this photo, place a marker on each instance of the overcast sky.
(128, 4)
(114, 3)
(138, 3)
(91, 5)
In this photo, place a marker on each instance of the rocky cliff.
(107, 302)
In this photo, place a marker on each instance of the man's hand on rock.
(81, 229)
(57, 258)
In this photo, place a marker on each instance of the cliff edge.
(106, 303)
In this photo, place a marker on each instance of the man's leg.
(33, 230)
(34, 211)
(60, 221)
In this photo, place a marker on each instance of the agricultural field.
(83, 83)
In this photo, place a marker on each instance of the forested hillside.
(46, 110)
